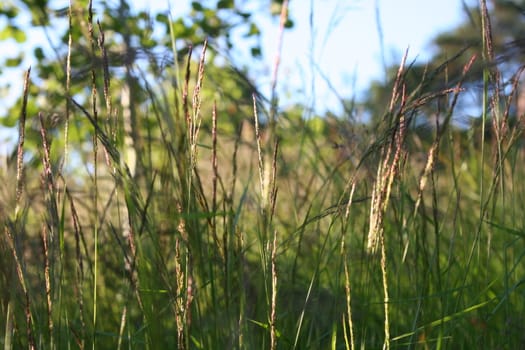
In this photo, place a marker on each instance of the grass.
(178, 233)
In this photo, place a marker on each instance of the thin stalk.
(95, 172)
(21, 139)
(485, 102)
(68, 87)
(48, 287)
(274, 103)
(347, 283)
(273, 310)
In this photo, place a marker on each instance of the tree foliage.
(144, 52)
(453, 50)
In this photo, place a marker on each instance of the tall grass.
(178, 234)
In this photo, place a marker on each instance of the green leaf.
(195, 5)
(39, 13)
(9, 12)
(256, 51)
(244, 15)
(254, 30)
(9, 120)
(14, 62)
(265, 326)
(39, 53)
(147, 42)
(180, 30)
(13, 32)
(162, 18)
(13, 115)
(144, 15)
(225, 4)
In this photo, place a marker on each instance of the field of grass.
(189, 231)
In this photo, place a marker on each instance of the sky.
(346, 41)
(343, 46)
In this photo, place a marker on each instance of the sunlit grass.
(188, 230)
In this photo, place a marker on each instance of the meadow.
(172, 225)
